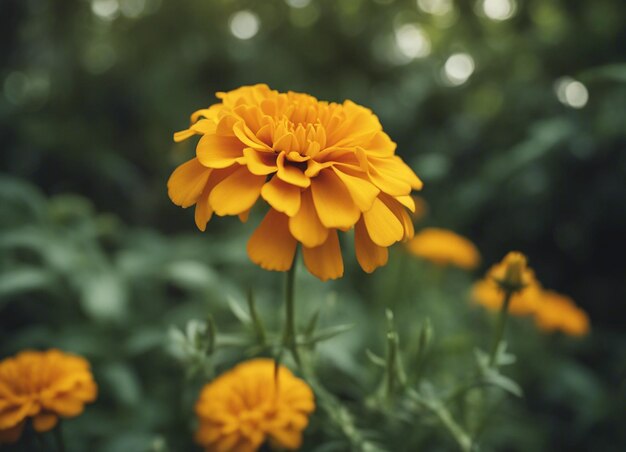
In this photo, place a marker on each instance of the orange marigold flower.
(444, 247)
(42, 386)
(557, 312)
(511, 271)
(251, 404)
(322, 167)
(487, 293)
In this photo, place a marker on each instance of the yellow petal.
(388, 182)
(401, 214)
(236, 193)
(282, 196)
(383, 227)
(381, 145)
(333, 202)
(14, 415)
(407, 201)
(203, 212)
(217, 151)
(183, 135)
(290, 173)
(249, 138)
(260, 162)
(393, 172)
(305, 225)
(369, 255)
(271, 246)
(361, 190)
(66, 406)
(187, 182)
(44, 422)
(325, 261)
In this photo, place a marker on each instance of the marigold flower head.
(43, 386)
(557, 312)
(444, 247)
(251, 404)
(488, 294)
(322, 167)
(511, 273)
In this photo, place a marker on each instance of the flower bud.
(516, 273)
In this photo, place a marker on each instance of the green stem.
(58, 438)
(463, 440)
(289, 336)
(500, 326)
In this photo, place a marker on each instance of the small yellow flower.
(322, 167)
(488, 294)
(556, 312)
(511, 273)
(42, 386)
(252, 404)
(444, 247)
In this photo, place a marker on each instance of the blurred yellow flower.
(322, 167)
(444, 247)
(556, 312)
(487, 293)
(42, 386)
(512, 271)
(251, 404)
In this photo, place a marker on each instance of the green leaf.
(328, 333)
(375, 359)
(192, 275)
(238, 311)
(24, 280)
(104, 296)
(497, 379)
(312, 324)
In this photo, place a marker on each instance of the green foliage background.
(95, 259)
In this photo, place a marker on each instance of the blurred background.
(513, 112)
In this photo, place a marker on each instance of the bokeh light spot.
(244, 24)
(435, 7)
(499, 9)
(298, 3)
(412, 41)
(458, 68)
(105, 9)
(571, 92)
